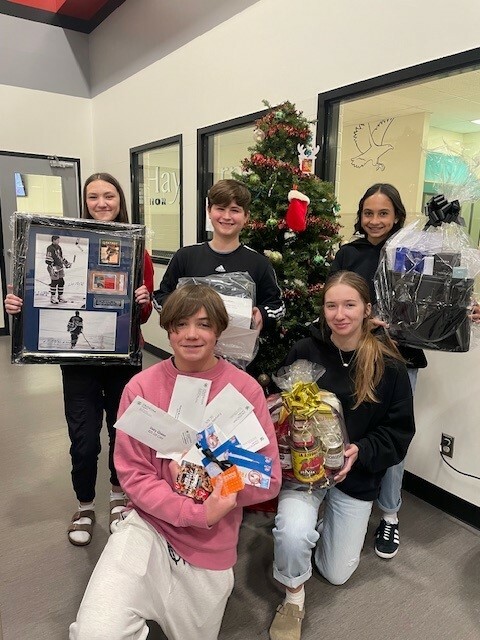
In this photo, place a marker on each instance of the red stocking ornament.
(296, 217)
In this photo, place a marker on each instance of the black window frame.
(204, 181)
(329, 101)
(135, 182)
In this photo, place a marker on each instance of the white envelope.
(239, 310)
(227, 410)
(251, 434)
(156, 428)
(189, 399)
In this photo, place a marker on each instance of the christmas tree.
(292, 222)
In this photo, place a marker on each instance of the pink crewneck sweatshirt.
(147, 480)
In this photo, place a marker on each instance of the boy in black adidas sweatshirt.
(228, 208)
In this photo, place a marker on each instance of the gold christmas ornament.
(264, 380)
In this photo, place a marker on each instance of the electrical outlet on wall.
(446, 445)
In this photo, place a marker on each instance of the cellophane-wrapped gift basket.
(310, 426)
(426, 275)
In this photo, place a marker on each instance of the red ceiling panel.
(46, 5)
(82, 9)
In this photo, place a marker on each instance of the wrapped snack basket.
(310, 426)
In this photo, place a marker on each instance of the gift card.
(255, 468)
(232, 481)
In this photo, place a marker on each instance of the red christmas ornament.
(296, 216)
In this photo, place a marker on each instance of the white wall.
(140, 32)
(447, 400)
(271, 50)
(42, 122)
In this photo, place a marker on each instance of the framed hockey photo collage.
(77, 279)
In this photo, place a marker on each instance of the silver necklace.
(345, 364)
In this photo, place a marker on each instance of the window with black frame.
(418, 129)
(157, 195)
(221, 149)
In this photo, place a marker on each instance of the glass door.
(41, 185)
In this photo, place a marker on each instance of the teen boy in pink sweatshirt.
(170, 558)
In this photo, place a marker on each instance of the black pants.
(74, 337)
(88, 391)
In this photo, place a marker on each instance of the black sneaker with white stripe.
(387, 539)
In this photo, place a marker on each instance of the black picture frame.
(78, 307)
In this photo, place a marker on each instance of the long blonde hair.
(371, 352)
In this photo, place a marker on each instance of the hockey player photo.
(75, 327)
(84, 331)
(64, 282)
(56, 265)
(110, 252)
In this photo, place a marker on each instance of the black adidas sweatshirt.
(201, 260)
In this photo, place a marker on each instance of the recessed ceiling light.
(475, 121)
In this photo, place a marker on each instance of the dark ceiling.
(78, 15)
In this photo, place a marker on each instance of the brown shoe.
(287, 624)
(74, 526)
(117, 515)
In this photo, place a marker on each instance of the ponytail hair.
(369, 359)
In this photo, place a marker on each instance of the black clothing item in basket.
(362, 257)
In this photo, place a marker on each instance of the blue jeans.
(390, 496)
(337, 553)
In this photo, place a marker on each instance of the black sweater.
(382, 431)
(201, 260)
(362, 257)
